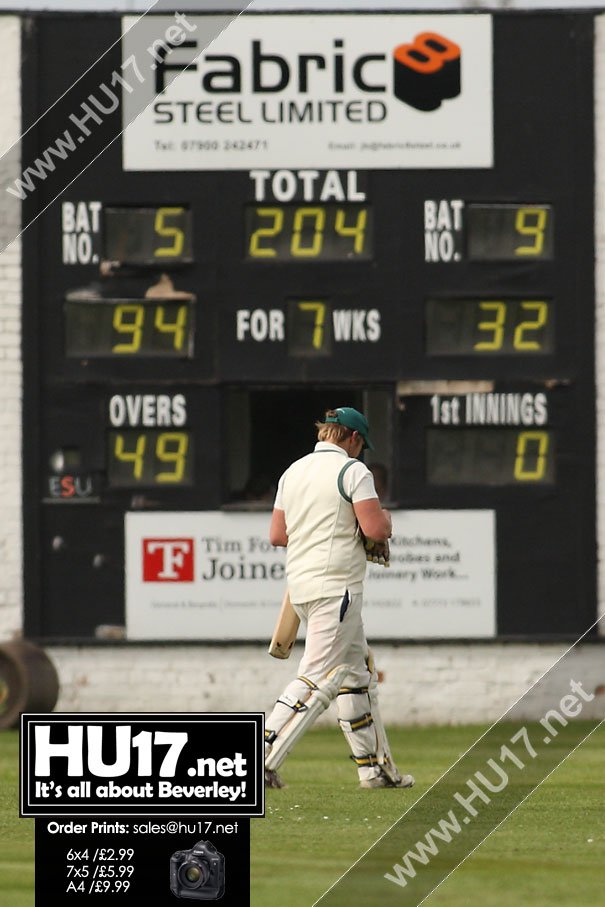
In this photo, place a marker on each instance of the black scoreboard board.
(456, 305)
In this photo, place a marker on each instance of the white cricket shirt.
(325, 555)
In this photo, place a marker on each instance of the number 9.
(525, 226)
(122, 326)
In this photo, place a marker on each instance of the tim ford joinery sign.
(373, 91)
(214, 575)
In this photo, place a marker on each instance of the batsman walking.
(327, 514)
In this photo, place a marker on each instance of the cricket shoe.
(272, 779)
(383, 780)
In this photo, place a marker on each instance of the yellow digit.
(358, 230)
(123, 326)
(172, 327)
(524, 439)
(176, 234)
(255, 249)
(296, 247)
(319, 308)
(135, 456)
(496, 325)
(532, 324)
(171, 447)
(531, 222)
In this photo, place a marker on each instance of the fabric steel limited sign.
(374, 91)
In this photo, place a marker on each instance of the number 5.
(175, 233)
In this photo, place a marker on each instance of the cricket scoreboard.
(395, 213)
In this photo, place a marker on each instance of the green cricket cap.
(356, 421)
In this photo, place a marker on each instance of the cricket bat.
(286, 628)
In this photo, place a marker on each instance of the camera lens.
(193, 874)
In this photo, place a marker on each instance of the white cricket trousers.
(335, 635)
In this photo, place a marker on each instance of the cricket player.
(323, 500)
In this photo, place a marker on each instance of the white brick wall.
(422, 683)
(10, 336)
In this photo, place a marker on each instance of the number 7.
(320, 316)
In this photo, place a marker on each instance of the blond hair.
(332, 431)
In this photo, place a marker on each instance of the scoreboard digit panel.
(314, 233)
(147, 236)
(510, 232)
(490, 327)
(125, 328)
(162, 315)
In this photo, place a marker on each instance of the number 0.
(317, 216)
(524, 440)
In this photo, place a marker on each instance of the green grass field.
(317, 827)
(16, 835)
(551, 850)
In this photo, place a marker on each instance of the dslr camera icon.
(198, 873)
